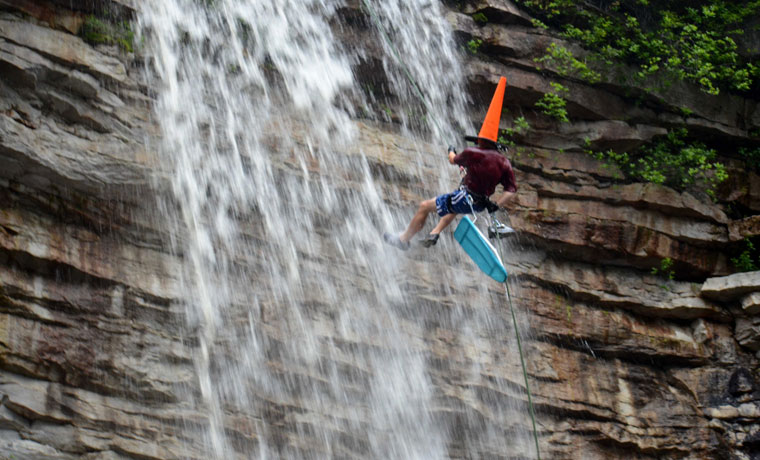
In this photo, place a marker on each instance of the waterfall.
(308, 344)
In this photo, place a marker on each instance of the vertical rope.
(525, 371)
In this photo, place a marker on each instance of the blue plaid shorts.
(455, 203)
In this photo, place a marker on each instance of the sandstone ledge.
(727, 288)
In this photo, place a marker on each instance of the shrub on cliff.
(674, 161)
(97, 31)
(749, 259)
(695, 41)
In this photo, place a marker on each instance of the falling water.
(310, 343)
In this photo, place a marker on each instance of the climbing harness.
(496, 229)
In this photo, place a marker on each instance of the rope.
(469, 199)
(525, 372)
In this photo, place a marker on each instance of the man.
(486, 168)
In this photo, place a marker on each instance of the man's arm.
(510, 186)
(462, 159)
(505, 198)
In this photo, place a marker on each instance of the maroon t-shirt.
(485, 169)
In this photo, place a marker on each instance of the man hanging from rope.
(486, 168)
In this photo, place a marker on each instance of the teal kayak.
(480, 250)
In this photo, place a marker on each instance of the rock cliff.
(626, 364)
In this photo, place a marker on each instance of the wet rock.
(57, 17)
(723, 412)
(741, 382)
(583, 102)
(121, 9)
(29, 69)
(742, 187)
(744, 228)
(66, 48)
(88, 163)
(515, 42)
(749, 410)
(610, 288)
(611, 240)
(701, 332)
(727, 288)
(611, 134)
(70, 422)
(88, 253)
(501, 11)
(16, 447)
(751, 303)
(748, 332)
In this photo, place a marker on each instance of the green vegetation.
(671, 161)
(749, 259)
(387, 111)
(751, 157)
(678, 40)
(538, 24)
(553, 105)
(480, 18)
(519, 127)
(97, 32)
(665, 269)
(474, 45)
(563, 61)
(663, 42)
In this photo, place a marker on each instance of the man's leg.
(418, 221)
(443, 223)
(432, 239)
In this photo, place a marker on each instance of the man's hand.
(505, 198)
(491, 207)
(452, 154)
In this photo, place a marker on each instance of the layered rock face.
(629, 365)
(94, 355)
(91, 356)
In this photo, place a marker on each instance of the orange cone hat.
(490, 128)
